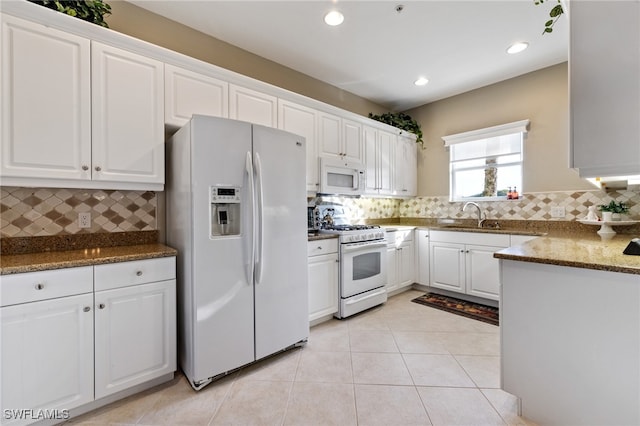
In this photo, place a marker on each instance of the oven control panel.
(368, 236)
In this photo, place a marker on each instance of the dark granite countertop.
(42, 261)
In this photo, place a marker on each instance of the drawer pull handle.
(86, 309)
(101, 306)
(139, 273)
(39, 286)
(319, 247)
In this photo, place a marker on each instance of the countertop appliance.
(363, 261)
(235, 201)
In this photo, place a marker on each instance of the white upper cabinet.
(604, 79)
(128, 116)
(252, 106)
(46, 102)
(406, 171)
(78, 114)
(188, 93)
(341, 138)
(379, 150)
(302, 121)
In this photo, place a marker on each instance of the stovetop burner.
(351, 227)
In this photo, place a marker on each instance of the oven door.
(363, 267)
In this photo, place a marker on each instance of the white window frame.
(516, 127)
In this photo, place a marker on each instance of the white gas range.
(363, 261)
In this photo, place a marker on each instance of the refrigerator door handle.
(259, 231)
(252, 259)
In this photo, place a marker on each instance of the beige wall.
(540, 96)
(142, 24)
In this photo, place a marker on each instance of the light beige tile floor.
(397, 364)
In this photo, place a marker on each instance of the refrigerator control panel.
(225, 194)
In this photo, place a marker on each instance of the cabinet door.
(253, 106)
(447, 266)
(45, 92)
(135, 335)
(128, 116)
(47, 354)
(330, 137)
(352, 145)
(605, 87)
(483, 271)
(406, 172)
(392, 269)
(386, 161)
(406, 264)
(302, 121)
(188, 93)
(323, 285)
(422, 257)
(371, 163)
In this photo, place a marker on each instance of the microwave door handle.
(356, 181)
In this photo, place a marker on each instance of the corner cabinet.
(99, 112)
(323, 278)
(604, 80)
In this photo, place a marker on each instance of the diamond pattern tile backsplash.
(531, 206)
(29, 212)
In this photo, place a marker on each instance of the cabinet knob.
(39, 286)
(461, 251)
(86, 309)
(467, 251)
(139, 273)
(101, 306)
(85, 167)
(98, 168)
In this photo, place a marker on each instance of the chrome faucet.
(481, 215)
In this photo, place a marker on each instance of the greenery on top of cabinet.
(555, 13)
(401, 121)
(92, 11)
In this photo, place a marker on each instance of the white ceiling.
(377, 53)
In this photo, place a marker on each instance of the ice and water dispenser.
(225, 211)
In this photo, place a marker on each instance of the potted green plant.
(88, 10)
(613, 210)
(401, 121)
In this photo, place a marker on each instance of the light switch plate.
(557, 211)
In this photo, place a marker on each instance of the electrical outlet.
(557, 211)
(84, 220)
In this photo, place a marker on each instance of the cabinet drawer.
(123, 274)
(317, 247)
(42, 285)
(477, 238)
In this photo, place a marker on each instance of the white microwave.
(341, 177)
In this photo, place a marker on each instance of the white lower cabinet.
(323, 278)
(400, 259)
(463, 262)
(53, 324)
(422, 256)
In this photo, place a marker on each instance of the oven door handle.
(353, 247)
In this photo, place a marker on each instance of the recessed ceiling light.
(333, 18)
(517, 47)
(421, 81)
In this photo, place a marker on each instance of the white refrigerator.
(236, 213)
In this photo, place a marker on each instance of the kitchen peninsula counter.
(42, 261)
(576, 250)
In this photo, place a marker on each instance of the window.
(485, 163)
